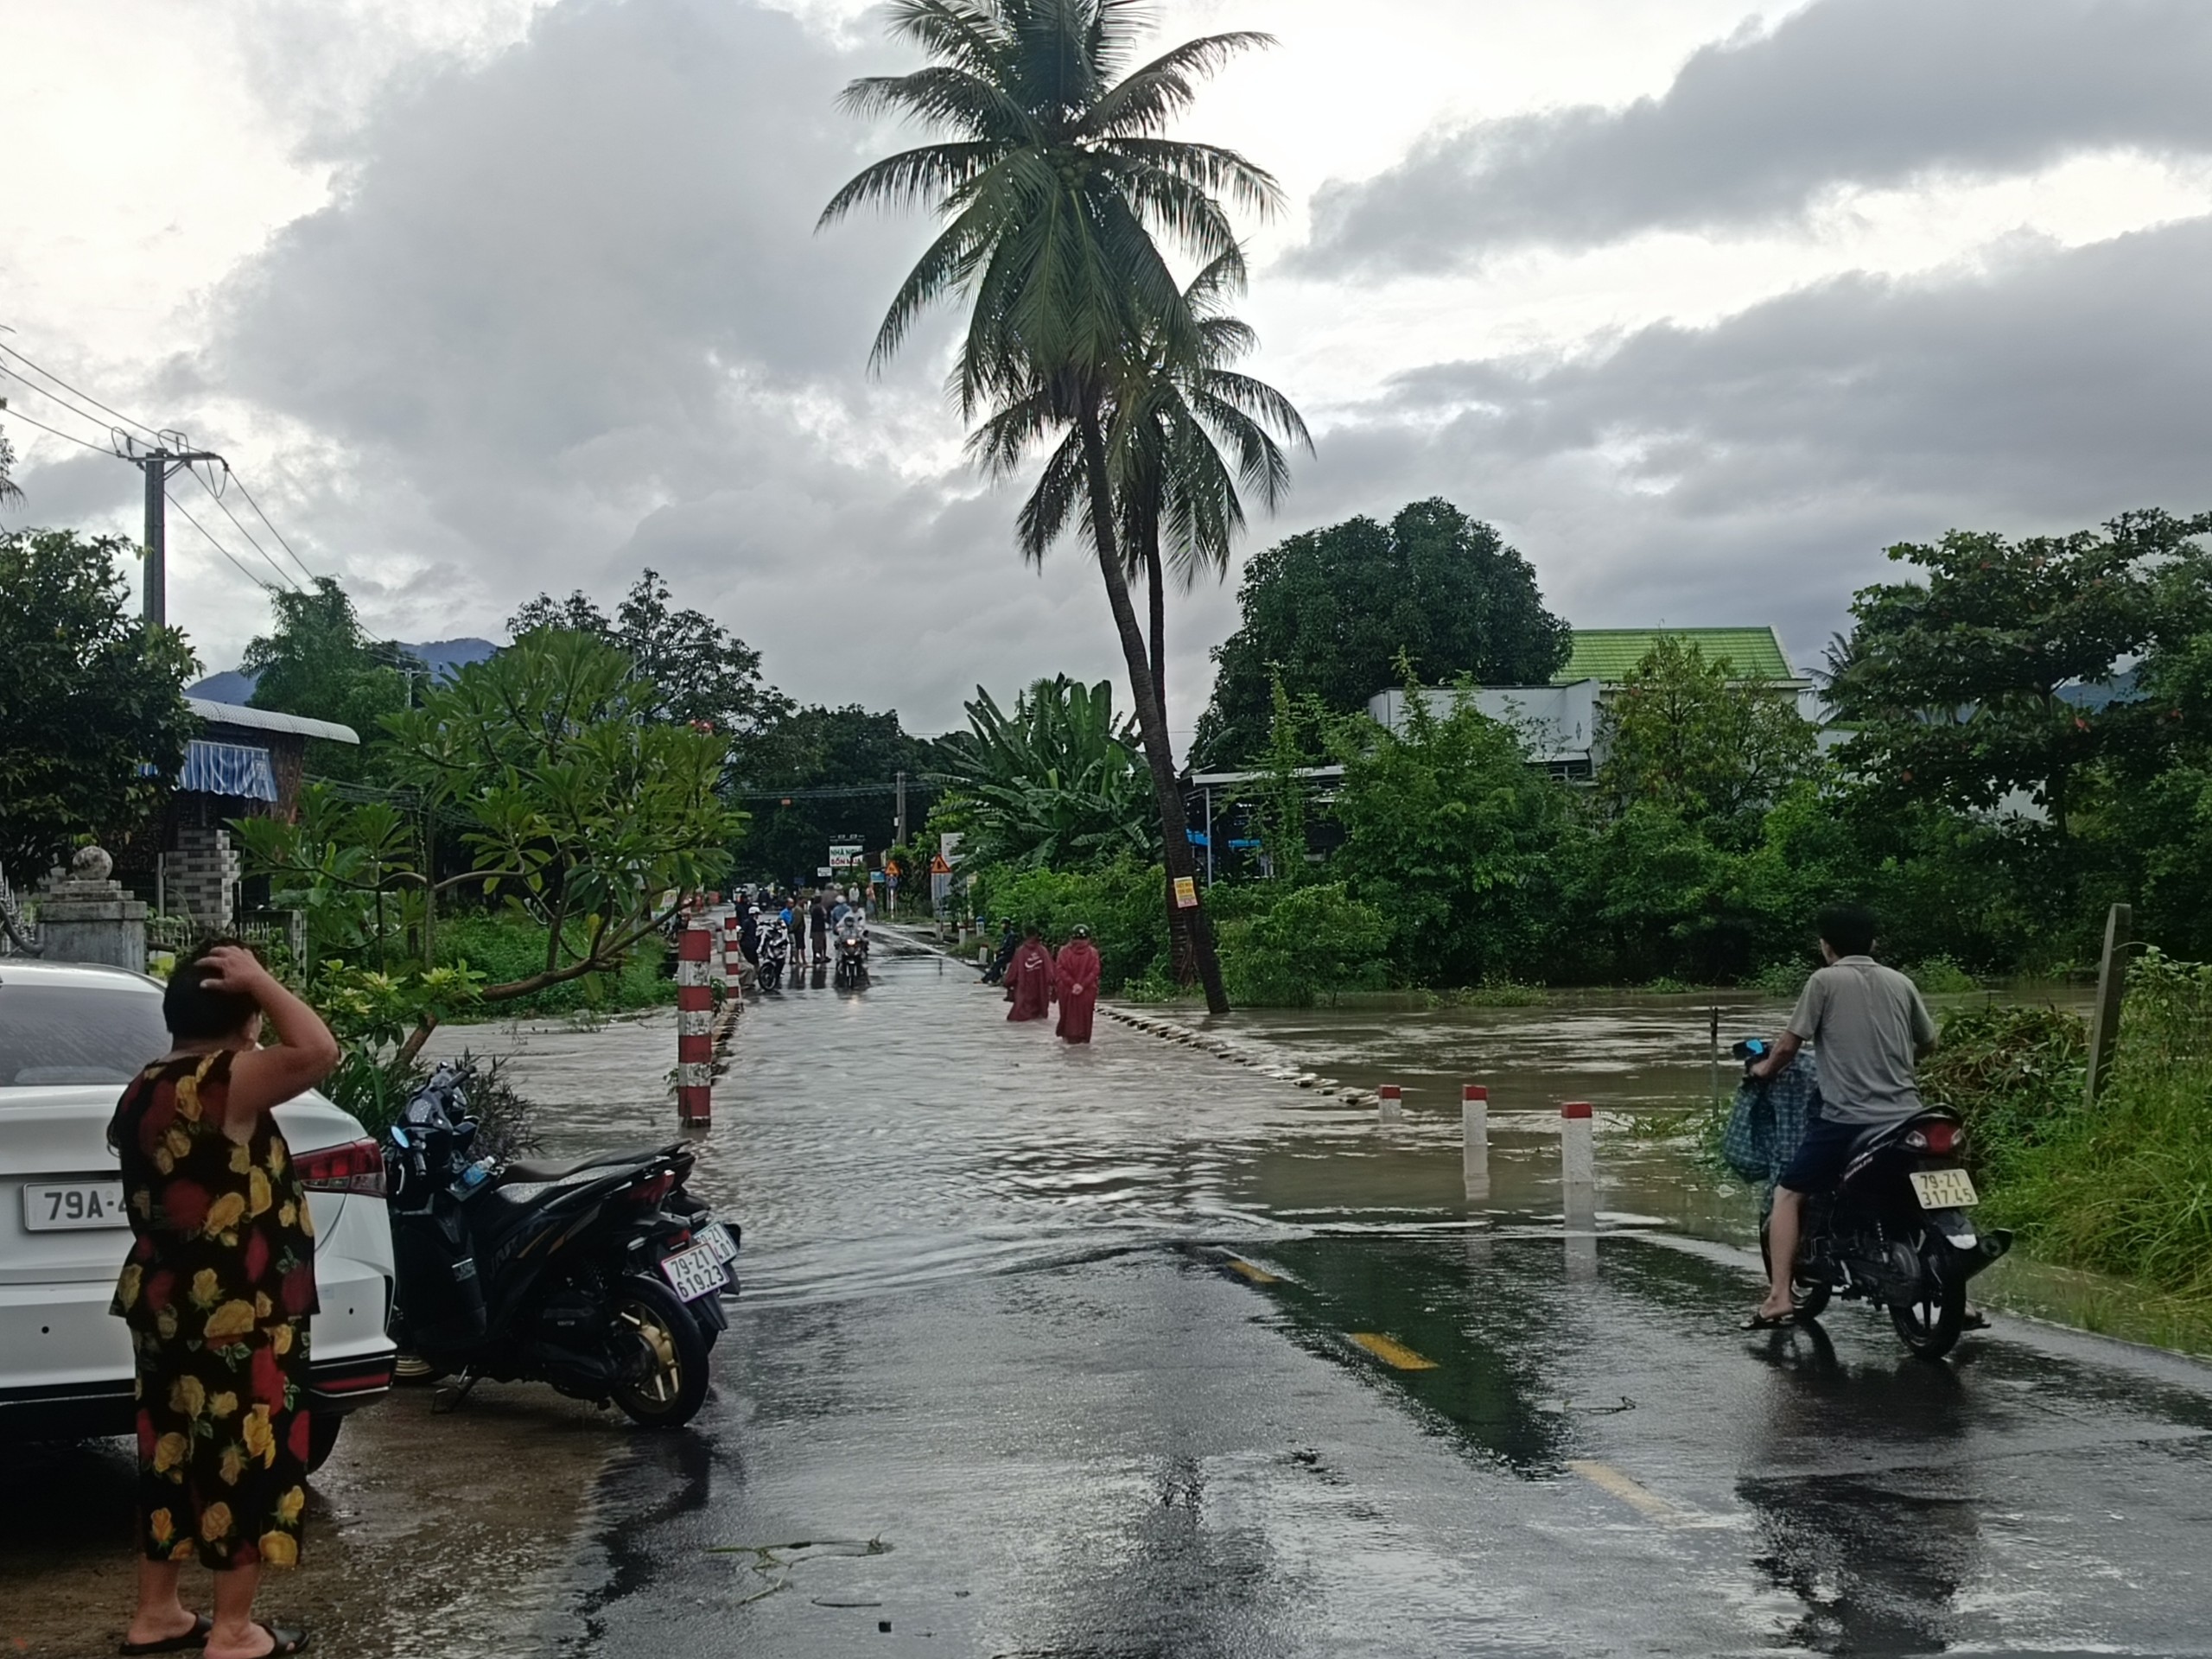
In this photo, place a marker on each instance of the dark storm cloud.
(1755, 470)
(567, 315)
(1868, 92)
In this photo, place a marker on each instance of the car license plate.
(715, 1237)
(1944, 1189)
(693, 1272)
(62, 1206)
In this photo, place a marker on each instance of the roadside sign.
(1187, 893)
(845, 855)
(938, 867)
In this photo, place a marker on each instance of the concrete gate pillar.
(202, 875)
(85, 917)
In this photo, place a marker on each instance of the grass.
(505, 948)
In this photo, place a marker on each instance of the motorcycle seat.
(528, 1172)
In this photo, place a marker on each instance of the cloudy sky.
(1703, 302)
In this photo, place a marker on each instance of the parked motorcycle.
(775, 955)
(852, 963)
(604, 1278)
(1896, 1230)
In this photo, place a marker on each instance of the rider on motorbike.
(1870, 1026)
(853, 925)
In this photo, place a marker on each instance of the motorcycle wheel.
(1931, 1326)
(673, 1389)
(771, 978)
(1809, 1297)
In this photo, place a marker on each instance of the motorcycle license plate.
(693, 1272)
(715, 1237)
(1944, 1189)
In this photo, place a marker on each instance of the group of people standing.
(811, 920)
(1036, 976)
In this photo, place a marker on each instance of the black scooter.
(1896, 1230)
(604, 1278)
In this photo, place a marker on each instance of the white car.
(71, 1036)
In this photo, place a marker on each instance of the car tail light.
(357, 1167)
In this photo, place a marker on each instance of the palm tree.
(1165, 430)
(1058, 185)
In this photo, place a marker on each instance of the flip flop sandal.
(194, 1637)
(283, 1640)
(1769, 1321)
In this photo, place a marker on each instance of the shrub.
(1121, 905)
(505, 947)
(1300, 944)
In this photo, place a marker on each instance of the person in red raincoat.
(1029, 979)
(1077, 970)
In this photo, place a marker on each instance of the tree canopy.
(92, 719)
(1334, 610)
(317, 661)
(1058, 780)
(699, 671)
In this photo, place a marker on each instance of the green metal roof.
(1610, 654)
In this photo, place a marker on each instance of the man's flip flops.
(194, 1637)
(1769, 1321)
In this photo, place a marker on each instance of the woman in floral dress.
(217, 1292)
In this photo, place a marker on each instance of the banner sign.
(1187, 893)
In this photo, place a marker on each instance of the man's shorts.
(1822, 1156)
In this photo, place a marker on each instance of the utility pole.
(158, 464)
(901, 836)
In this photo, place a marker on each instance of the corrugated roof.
(269, 720)
(1611, 654)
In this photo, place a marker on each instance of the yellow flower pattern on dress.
(217, 1292)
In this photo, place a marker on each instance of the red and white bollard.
(1474, 1139)
(733, 955)
(1389, 1102)
(695, 1025)
(1577, 1167)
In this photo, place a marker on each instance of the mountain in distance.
(444, 657)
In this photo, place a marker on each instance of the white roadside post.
(1474, 1139)
(1389, 1102)
(1577, 1167)
(695, 1025)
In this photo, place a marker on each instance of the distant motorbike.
(1896, 1230)
(604, 1278)
(775, 955)
(852, 963)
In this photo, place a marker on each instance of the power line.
(18, 415)
(66, 386)
(281, 575)
(273, 531)
(217, 545)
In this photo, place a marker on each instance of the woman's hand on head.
(236, 970)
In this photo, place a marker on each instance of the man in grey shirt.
(1870, 1027)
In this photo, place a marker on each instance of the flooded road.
(1134, 1350)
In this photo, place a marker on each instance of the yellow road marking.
(1392, 1353)
(1608, 1479)
(1257, 1275)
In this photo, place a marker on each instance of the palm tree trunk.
(1156, 591)
(1188, 925)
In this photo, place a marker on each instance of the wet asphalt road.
(1132, 1351)
(1137, 1352)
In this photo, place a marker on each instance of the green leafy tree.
(815, 775)
(92, 719)
(1057, 184)
(1450, 833)
(565, 790)
(699, 670)
(1057, 783)
(1957, 680)
(1682, 734)
(318, 662)
(1332, 610)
